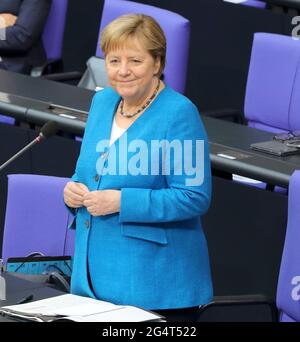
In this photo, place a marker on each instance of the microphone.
(50, 128)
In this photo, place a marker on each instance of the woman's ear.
(157, 64)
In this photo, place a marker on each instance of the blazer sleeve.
(74, 178)
(180, 200)
(28, 28)
(88, 127)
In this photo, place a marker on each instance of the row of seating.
(271, 100)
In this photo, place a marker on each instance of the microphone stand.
(24, 149)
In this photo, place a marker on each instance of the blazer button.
(87, 224)
(97, 178)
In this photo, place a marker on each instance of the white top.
(116, 132)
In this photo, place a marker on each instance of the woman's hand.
(7, 19)
(102, 202)
(74, 193)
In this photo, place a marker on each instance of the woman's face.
(131, 71)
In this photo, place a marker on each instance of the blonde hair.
(122, 30)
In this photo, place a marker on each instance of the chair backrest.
(176, 29)
(288, 289)
(36, 218)
(254, 3)
(272, 92)
(54, 30)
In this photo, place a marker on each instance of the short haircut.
(120, 31)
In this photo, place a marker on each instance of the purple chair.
(36, 218)
(272, 93)
(177, 31)
(288, 286)
(254, 3)
(288, 289)
(53, 36)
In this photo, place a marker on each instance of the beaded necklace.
(142, 108)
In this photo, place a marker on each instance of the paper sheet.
(80, 309)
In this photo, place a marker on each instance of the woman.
(139, 239)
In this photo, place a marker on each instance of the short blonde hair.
(120, 31)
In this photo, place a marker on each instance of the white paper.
(80, 309)
(65, 305)
(122, 314)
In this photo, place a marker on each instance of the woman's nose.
(124, 70)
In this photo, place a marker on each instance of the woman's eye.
(113, 61)
(136, 61)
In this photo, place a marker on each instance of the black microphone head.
(50, 128)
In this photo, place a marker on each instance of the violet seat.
(288, 288)
(36, 218)
(54, 30)
(272, 92)
(177, 31)
(53, 37)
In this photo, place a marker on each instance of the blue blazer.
(23, 48)
(153, 253)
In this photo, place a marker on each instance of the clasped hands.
(98, 203)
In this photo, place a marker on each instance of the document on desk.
(78, 309)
